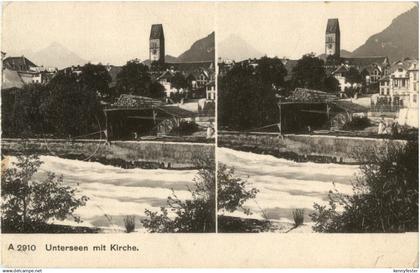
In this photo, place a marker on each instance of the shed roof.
(135, 102)
(350, 107)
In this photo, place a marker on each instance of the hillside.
(398, 40)
(235, 48)
(55, 55)
(200, 51)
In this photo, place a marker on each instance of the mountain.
(55, 55)
(343, 53)
(398, 40)
(235, 48)
(168, 59)
(200, 51)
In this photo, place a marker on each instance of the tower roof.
(333, 26)
(156, 32)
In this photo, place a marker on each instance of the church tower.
(332, 38)
(157, 44)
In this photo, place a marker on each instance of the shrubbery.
(357, 123)
(28, 203)
(194, 215)
(385, 198)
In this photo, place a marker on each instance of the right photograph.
(317, 117)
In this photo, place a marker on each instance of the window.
(414, 98)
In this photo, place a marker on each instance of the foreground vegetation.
(28, 204)
(385, 197)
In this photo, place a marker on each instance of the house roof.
(16, 63)
(166, 75)
(157, 32)
(366, 61)
(332, 26)
(405, 64)
(11, 79)
(341, 69)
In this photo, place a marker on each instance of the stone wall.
(176, 154)
(339, 148)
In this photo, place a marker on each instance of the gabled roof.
(341, 69)
(157, 32)
(18, 63)
(405, 64)
(11, 79)
(332, 26)
(166, 75)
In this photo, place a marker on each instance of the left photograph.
(108, 117)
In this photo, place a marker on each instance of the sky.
(107, 32)
(293, 29)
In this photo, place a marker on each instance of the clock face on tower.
(329, 46)
(154, 51)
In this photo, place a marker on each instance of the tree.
(194, 215)
(134, 79)
(22, 114)
(232, 191)
(73, 107)
(385, 198)
(27, 204)
(331, 84)
(247, 97)
(178, 81)
(96, 78)
(353, 76)
(309, 72)
(157, 91)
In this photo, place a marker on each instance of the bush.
(185, 128)
(232, 191)
(27, 203)
(195, 215)
(130, 223)
(357, 123)
(385, 198)
(298, 216)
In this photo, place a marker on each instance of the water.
(285, 185)
(115, 192)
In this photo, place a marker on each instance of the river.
(285, 185)
(116, 192)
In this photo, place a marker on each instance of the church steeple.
(332, 38)
(157, 44)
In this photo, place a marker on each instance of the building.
(157, 44)
(132, 117)
(332, 38)
(373, 68)
(27, 70)
(210, 91)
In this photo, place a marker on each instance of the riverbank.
(303, 148)
(125, 154)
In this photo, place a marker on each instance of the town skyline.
(304, 33)
(122, 38)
